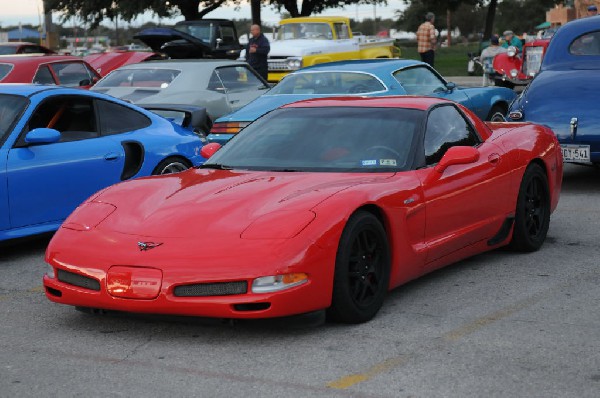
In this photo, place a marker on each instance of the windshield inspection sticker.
(369, 162)
(387, 162)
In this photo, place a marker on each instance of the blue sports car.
(564, 95)
(372, 78)
(60, 145)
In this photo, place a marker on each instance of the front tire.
(532, 216)
(362, 270)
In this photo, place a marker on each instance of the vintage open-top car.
(564, 95)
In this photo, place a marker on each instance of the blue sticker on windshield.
(369, 162)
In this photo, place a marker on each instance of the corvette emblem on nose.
(145, 246)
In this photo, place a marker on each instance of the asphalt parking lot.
(499, 324)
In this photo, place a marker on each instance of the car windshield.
(321, 31)
(7, 50)
(4, 70)
(337, 139)
(328, 83)
(202, 32)
(150, 77)
(11, 107)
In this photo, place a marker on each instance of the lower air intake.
(77, 280)
(211, 289)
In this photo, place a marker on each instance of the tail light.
(228, 127)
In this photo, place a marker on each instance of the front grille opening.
(211, 289)
(252, 307)
(53, 292)
(77, 280)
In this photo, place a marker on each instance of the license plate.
(576, 153)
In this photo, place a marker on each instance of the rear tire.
(496, 114)
(171, 165)
(362, 270)
(532, 216)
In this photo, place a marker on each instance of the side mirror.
(219, 41)
(457, 155)
(209, 149)
(450, 86)
(42, 135)
(85, 82)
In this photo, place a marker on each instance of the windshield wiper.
(216, 166)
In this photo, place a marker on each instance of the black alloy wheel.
(532, 217)
(362, 270)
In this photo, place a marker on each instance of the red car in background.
(13, 48)
(517, 69)
(63, 70)
(109, 61)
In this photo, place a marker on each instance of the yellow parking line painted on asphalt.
(37, 289)
(350, 380)
(479, 323)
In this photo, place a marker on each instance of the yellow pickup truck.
(300, 42)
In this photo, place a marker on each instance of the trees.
(95, 11)
(309, 7)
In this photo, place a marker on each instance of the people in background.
(592, 11)
(487, 58)
(257, 51)
(426, 39)
(511, 40)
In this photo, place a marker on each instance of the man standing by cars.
(426, 39)
(257, 50)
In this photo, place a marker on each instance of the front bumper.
(275, 77)
(293, 301)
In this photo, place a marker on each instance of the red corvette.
(64, 70)
(321, 204)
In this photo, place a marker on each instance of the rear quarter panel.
(526, 143)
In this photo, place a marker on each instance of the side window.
(238, 78)
(446, 128)
(115, 118)
(419, 81)
(341, 30)
(228, 36)
(73, 116)
(71, 74)
(214, 83)
(43, 76)
(588, 44)
(31, 50)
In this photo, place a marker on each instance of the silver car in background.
(220, 86)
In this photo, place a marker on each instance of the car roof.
(26, 90)
(39, 59)
(183, 63)
(404, 101)
(558, 55)
(381, 65)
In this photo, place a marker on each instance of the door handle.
(234, 101)
(494, 159)
(111, 156)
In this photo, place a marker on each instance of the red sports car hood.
(201, 202)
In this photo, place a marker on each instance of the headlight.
(294, 63)
(512, 51)
(50, 271)
(275, 283)
(514, 73)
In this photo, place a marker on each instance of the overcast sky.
(26, 11)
